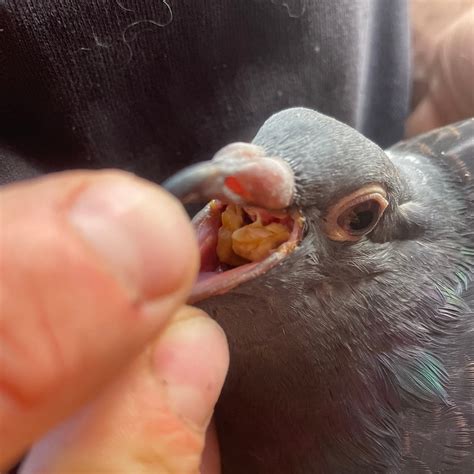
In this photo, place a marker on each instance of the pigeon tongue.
(207, 224)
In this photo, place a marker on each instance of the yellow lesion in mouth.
(238, 244)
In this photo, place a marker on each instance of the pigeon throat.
(237, 244)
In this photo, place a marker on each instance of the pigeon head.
(335, 269)
(313, 224)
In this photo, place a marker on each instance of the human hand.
(102, 367)
(443, 37)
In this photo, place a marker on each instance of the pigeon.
(342, 276)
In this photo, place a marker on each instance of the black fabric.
(151, 85)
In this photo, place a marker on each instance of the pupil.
(361, 220)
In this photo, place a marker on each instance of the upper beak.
(239, 173)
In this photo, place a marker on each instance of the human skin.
(103, 367)
(443, 63)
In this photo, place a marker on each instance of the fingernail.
(141, 233)
(191, 361)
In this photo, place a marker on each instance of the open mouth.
(239, 237)
(237, 244)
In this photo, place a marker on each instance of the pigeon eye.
(355, 215)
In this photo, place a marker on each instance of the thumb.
(92, 265)
(153, 417)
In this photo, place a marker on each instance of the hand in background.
(443, 69)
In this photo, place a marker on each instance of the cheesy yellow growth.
(238, 244)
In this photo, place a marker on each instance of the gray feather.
(358, 357)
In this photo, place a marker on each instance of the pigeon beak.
(263, 188)
(239, 173)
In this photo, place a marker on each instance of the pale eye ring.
(355, 215)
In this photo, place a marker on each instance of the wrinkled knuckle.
(177, 450)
